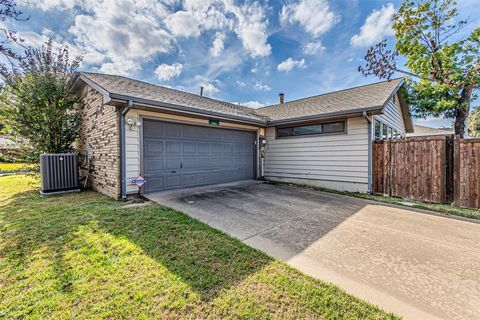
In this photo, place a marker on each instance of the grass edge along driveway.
(87, 256)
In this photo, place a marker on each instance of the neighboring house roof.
(419, 131)
(118, 86)
(372, 97)
(368, 98)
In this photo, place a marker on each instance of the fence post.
(386, 156)
(456, 171)
(449, 168)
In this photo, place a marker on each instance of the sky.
(240, 51)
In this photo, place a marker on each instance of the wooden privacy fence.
(467, 172)
(440, 169)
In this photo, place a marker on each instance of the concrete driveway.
(418, 265)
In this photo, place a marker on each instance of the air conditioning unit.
(59, 173)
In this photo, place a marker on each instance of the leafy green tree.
(444, 67)
(36, 104)
(474, 122)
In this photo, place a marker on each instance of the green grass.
(441, 208)
(87, 256)
(12, 167)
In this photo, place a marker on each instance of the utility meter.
(262, 142)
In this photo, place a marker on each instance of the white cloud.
(210, 14)
(124, 37)
(218, 44)
(315, 16)
(313, 48)
(252, 29)
(183, 23)
(247, 21)
(57, 4)
(35, 39)
(253, 104)
(209, 88)
(125, 68)
(377, 26)
(165, 72)
(261, 87)
(241, 83)
(290, 63)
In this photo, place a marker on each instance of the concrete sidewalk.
(417, 265)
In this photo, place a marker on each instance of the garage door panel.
(173, 181)
(153, 165)
(153, 146)
(173, 130)
(216, 148)
(173, 147)
(189, 163)
(248, 148)
(203, 133)
(189, 132)
(173, 163)
(203, 163)
(216, 163)
(217, 177)
(153, 130)
(155, 182)
(203, 178)
(189, 147)
(203, 148)
(229, 136)
(228, 148)
(181, 155)
(237, 148)
(228, 162)
(189, 180)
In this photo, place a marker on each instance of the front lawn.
(87, 256)
(12, 167)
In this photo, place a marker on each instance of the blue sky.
(240, 51)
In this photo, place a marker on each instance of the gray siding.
(330, 161)
(392, 116)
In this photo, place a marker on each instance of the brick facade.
(99, 138)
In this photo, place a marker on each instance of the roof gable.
(368, 97)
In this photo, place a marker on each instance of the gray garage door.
(182, 155)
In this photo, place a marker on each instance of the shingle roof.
(340, 102)
(138, 89)
(429, 131)
(343, 101)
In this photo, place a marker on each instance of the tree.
(444, 68)
(474, 122)
(36, 103)
(9, 38)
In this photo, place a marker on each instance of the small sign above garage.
(213, 122)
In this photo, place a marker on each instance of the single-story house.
(422, 131)
(176, 139)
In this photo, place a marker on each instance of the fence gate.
(414, 168)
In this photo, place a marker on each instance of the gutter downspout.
(123, 165)
(369, 121)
